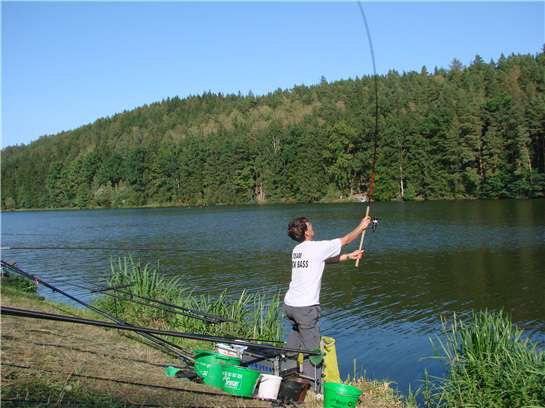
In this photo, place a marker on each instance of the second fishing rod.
(161, 343)
(170, 308)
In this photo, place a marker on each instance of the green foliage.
(18, 283)
(475, 131)
(255, 315)
(490, 362)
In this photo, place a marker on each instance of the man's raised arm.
(351, 236)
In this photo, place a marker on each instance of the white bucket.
(269, 385)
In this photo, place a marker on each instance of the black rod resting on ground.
(88, 289)
(12, 311)
(168, 306)
(210, 315)
(211, 319)
(190, 312)
(165, 345)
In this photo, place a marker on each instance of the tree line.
(475, 131)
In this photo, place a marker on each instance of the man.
(302, 300)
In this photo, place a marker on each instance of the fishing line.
(71, 248)
(375, 77)
(375, 133)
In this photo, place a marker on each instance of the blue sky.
(65, 64)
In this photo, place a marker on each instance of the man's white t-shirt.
(308, 262)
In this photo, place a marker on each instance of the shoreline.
(260, 204)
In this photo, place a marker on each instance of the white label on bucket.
(232, 384)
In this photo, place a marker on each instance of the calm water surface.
(426, 260)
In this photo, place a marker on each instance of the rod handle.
(363, 235)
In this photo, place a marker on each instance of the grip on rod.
(363, 234)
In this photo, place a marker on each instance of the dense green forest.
(474, 131)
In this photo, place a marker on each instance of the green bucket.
(210, 370)
(226, 359)
(209, 366)
(239, 381)
(340, 395)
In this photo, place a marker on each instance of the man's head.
(300, 229)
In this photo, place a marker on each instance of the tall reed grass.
(491, 363)
(255, 315)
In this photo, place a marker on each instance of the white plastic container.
(231, 350)
(269, 385)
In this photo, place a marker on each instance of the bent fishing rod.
(12, 311)
(163, 344)
(375, 133)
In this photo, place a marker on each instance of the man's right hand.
(365, 222)
(348, 238)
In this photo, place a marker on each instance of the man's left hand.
(357, 254)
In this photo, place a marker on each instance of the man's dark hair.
(297, 229)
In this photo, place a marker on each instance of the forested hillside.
(462, 132)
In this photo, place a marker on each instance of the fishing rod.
(12, 311)
(213, 318)
(207, 317)
(375, 133)
(167, 307)
(164, 344)
(88, 289)
(173, 306)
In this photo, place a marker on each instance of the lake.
(426, 260)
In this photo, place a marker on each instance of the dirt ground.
(46, 363)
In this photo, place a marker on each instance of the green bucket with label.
(209, 366)
(210, 370)
(340, 395)
(239, 381)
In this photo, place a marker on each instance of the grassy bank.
(47, 363)
(490, 362)
(57, 364)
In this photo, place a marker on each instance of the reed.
(491, 363)
(255, 315)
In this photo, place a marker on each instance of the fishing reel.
(374, 224)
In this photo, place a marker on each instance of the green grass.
(490, 364)
(256, 315)
(42, 390)
(17, 283)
